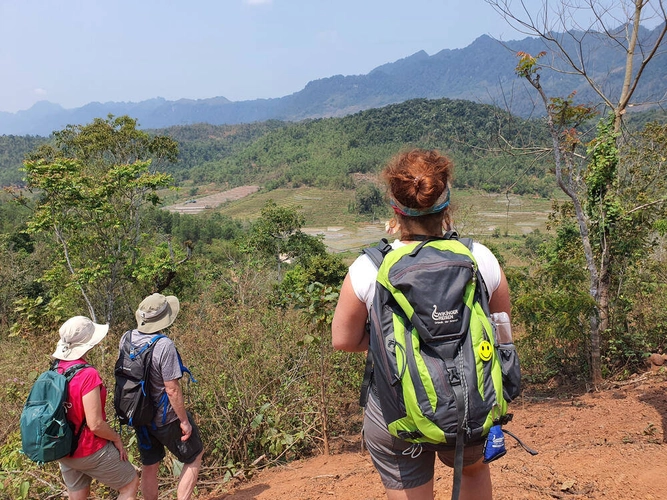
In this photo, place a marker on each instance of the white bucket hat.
(156, 312)
(78, 335)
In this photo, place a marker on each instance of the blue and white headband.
(440, 204)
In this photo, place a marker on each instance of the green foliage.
(256, 394)
(277, 235)
(37, 315)
(640, 320)
(13, 149)
(528, 65)
(568, 116)
(637, 204)
(256, 335)
(203, 143)
(600, 203)
(551, 302)
(93, 219)
(21, 266)
(18, 474)
(327, 152)
(325, 268)
(92, 186)
(104, 142)
(158, 266)
(601, 178)
(368, 198)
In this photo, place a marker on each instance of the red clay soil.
(606, 444)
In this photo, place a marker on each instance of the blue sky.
(72, 52)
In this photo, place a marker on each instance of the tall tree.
(277, 234)
(588, 173)
(369, 198)
(92, 186)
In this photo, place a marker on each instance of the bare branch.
(624, 101)
(63, 242)
(646, 205)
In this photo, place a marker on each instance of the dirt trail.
(607, 444)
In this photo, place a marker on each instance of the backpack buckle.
(454, 377)
(405, 435)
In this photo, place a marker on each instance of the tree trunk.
(602, 324)
(323, 396)
(596, 357)
(567, 185)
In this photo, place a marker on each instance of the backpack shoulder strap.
(467, 242)
(452, 235)
(378, 252)
(134, 352)
(483, 290)
(69, 375)
(73, 370)
(184, 368)
(424, 239)
(366, 382)
(153, 341)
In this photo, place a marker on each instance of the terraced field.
(328, 213)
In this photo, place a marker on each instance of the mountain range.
(481, 72)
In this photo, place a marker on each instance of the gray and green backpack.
(434, 363)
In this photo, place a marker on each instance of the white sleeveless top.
(363, 273)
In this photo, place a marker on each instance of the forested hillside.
(13, 149)
(325, 152)
(203, 143)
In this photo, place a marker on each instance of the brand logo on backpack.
(444, 316)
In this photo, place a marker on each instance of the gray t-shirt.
(164, 367)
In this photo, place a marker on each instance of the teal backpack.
(46, 434)
(435, 366)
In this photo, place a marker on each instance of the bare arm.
(92, 407)
(348, 328)
(500, 300)
(175, 395)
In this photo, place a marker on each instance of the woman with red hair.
(419, 192)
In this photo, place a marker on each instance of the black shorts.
(152, 444)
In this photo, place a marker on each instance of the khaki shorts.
(403, 465)
(104, 465)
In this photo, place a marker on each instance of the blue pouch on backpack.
(494, 448)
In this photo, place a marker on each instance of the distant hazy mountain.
(481, 72)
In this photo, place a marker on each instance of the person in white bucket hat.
(100, 453)
(173, 426)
